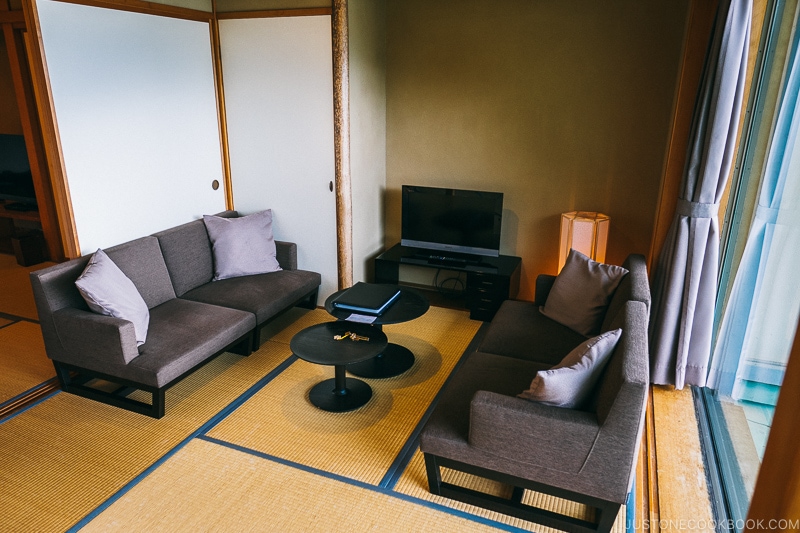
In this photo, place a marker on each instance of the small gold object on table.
(321, 344)
(352, 336)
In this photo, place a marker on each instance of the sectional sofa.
(191, 318)
(584, 452)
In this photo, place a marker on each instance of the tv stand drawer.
(486, 292)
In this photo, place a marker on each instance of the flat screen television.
(16, 181)
(452, 221)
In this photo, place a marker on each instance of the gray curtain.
(685, 278)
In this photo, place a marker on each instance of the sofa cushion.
(571, 382)
(264, 295)
(108, 291)
(581, 293)
(520, 330)
(635, 286)
(182, 335)
(187, 254)
(242, 246)
(481, 371)
(141, 260)
(452, 424)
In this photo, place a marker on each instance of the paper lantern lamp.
(585, 231)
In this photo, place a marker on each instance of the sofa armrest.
(530, 432)
(544, 282)
(89, 337)
(286, 254)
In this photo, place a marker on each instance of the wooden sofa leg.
(158, 403)
(256, 338)
(245, 346)
(63, 375)
(310, 302)
(434, 474)
(608, 515)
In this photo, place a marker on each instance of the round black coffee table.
(395, 359)
(318, 344)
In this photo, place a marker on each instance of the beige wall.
(367, 46)
(562, 105)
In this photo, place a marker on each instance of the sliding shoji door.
(136, 109)
(278, 83)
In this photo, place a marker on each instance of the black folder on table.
(367, 298)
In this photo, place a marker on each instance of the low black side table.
(395, 359)
(318, 344)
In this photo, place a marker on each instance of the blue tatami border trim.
(30, 405)
(385, 487)
(406, 453)
(374, 488)
(207, 426)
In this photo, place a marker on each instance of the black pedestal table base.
(394, 360)
(338, 344)
(340, 394)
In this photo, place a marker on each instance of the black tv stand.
(490, 280)
(447, 259)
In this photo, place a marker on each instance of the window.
(759, 296)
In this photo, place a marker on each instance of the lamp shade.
(585, 231)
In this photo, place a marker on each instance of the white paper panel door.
(136, 107)
(278, 82)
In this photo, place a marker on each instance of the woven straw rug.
(23, 363)
(16, 296)
(242, 449)
(65, 456)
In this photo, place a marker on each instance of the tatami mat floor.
(24, 366)
(241, 449)
(83, 460)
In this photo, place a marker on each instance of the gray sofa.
(192, 319)
(481, 427)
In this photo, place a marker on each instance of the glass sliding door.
(759, 293)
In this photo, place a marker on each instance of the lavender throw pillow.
(108, 291)
(570, 383)
(581, 293)
(242, 246)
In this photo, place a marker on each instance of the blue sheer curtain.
(757, 328)
(685, 278)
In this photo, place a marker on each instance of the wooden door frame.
(17, 38)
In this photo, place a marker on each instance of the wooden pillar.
(341, 144)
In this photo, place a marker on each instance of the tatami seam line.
(406, 453)
(30, 405)
(361, 484)
(15, 318)
(386, 485)
(204, 428)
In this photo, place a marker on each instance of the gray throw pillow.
(242, 246)
(108, 291)
(581, 293)
(570, 383)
